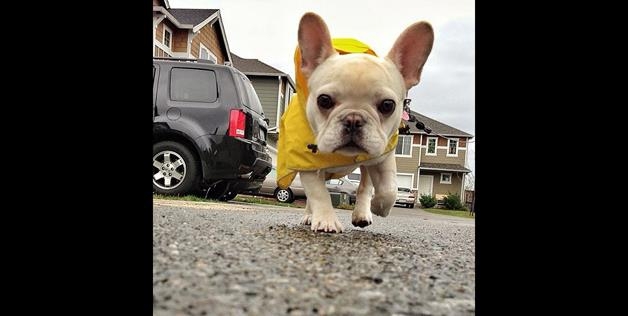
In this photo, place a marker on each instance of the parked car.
(405, 197)
(296, 190)
(209, 130)
(343, 185)
(288, 195)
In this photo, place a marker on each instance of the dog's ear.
(410, 51)
(314, 42)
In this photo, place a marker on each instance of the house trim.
(435, 146)
(158, 20)
(418, 171)
(441, 177)
(191, 36)
(163, 47)
(277, 117)
(172, 18)
(462, 189)
(441, 169)
(213, 18)
(457, 143)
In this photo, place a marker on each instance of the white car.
(405, 197)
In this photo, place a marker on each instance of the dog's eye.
(325, 101)
(386, 107)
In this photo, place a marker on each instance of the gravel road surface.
(246, 259)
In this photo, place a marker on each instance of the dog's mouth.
(350, 148)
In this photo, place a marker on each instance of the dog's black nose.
(353, 122)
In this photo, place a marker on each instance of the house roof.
(254, 66)
(443, 167)
(257, 68)
(192, 16)
(436, 127)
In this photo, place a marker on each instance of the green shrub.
(427, 201)
(452, 202)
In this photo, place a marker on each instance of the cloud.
(446, 92)
(266, 30)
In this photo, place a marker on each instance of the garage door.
(425, 184)
(404, 181)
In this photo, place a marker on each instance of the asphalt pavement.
(245, 259)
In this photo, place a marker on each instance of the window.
(431, 146)
(445, 178)
(167, 37)
(193, 85)
(334, 182)
(249, 95)
(452, 148)
(404, 146)
(205, 53)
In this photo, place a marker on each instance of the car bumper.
(230, 158)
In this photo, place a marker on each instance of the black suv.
(209, 130)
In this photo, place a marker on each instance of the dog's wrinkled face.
(355, 101)
(355, 104)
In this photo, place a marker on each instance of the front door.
(425, 184)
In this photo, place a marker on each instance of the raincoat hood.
(293, 153)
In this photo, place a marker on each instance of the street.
(251, 259)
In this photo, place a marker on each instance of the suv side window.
(251, 100)
(193, 85)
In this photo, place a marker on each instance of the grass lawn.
(449, 212)
(239, 198)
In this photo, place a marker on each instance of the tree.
(469, 181)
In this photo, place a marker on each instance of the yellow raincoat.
(295, 131)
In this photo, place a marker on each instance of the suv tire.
(284, 195)
(175, 169)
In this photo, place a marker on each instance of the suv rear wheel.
(175, 169)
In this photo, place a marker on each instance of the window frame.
(163, 38)
(457, 146)
(400, 137)
(211, 55)
(441, 177)
(427, 146)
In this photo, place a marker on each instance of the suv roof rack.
(205, 61)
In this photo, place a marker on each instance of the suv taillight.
(237, 123)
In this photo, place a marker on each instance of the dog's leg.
(384, 179)
(362, 215)
(307, 218)
(319, 202)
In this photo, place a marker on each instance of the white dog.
(354, 108)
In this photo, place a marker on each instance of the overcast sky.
(267, 30)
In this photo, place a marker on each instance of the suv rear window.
(195, 85)
(250, 96)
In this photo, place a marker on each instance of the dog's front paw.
(328, 224)
(306, 219)
(361, 219)
(381, 204)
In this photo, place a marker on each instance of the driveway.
(243, 259)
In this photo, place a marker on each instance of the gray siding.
(409, 164)
(267, 89)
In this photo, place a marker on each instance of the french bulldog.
(354, 107)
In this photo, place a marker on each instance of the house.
(432, 164)
(274, 88)
(189, 33)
